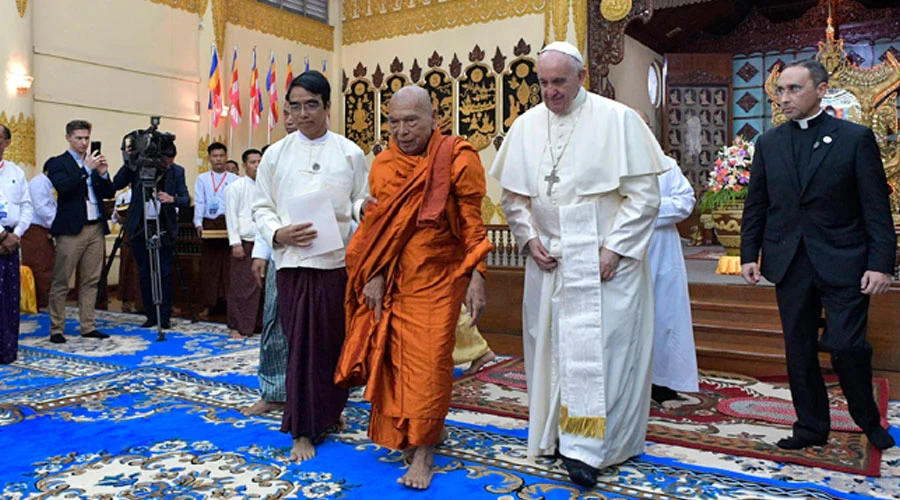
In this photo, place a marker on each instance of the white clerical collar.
(303, 137)
(579, 100)
(803, 123)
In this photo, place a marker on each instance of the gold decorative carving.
(615, 10)
(202, 154)
(21, 151)
(872, 92)
(489, 209)
(193, 6)
(580, 16)
(440, 87)
(367, 21)
(478, 105)
(359, 114)
(521, 90)
(220, 24)
(258, 16)
(560, 19)
(393, 83)
(22, 5)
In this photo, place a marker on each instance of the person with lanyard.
(15, 216)
(82, 183)
(38, 252)
(209, 215)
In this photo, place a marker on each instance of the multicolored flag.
(234, 94)
(290, 77)
(256, 105)
(325, 67)
(307, 64)
(273, 93)
(215, 89)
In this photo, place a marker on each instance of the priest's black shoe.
(580, 473)
(880, 438)
(150, 323)
(797, 442)
(58, 338)
(167, 325)
(95, 334)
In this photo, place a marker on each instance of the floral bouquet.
(730, 177)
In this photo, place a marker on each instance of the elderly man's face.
(560, 80)
(411, 124)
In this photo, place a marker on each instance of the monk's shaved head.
(411, 119)
(412, 94)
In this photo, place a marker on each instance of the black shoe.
(580, 473)
(880, 438)
(58, 338)
(797, 442)
(661, 394)
(95, 334)
(150, 323)
(167, 325)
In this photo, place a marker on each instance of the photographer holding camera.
(162, 218)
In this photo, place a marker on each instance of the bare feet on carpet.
(409, 452)
(204, 314)
(260, 407)
(236, 335)
(303, 450)
(420, 473)
(479, 363)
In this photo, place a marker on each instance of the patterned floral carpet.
(133, 418)
(732, 414)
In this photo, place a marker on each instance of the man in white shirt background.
(38, 252)
(244, 292)
(15, 216)
(209, 215)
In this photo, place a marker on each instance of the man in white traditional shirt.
(15, 217)
(209, 215)
(38, 252)
(580, 191)
(311, 288)
(244, 292)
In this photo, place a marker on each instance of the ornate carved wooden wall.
(607, 20)
(697, 111)
(479, 101)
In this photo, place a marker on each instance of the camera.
(143, 152)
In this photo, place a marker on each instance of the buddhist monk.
(417, 255)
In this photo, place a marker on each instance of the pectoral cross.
(551, 179)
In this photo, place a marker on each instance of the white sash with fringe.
(583, 394)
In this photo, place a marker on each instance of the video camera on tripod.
(143, 151)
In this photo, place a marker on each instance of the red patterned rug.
(705, 255)
(733, 414)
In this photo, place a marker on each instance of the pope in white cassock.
(674, 356)
(580, 192)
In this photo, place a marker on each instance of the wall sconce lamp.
(21, 82)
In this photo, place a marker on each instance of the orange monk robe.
(427, 245)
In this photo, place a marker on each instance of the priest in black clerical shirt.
(818, 209)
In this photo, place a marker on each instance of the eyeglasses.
(309, 106)
(790, 90)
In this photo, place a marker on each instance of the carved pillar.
(606, 37)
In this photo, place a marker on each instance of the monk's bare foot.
(419, 474)
(236, 335)
(303, 450)
(204, 314)
(260, 407)
(479, 363)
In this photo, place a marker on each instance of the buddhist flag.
(290, 77)
(325, 68)
(256, 105)
(273, 93)
(234, 94)
(307, 64)
(215, 89)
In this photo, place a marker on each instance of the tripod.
(153, 235)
